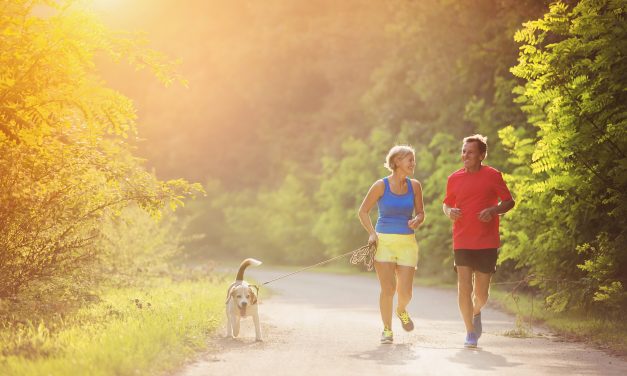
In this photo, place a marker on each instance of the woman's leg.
(387, 280)
(404, 286)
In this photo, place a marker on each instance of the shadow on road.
(481, 359)
(396, 354)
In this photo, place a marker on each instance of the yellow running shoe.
(408, 325)
(387, 337)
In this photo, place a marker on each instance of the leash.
(363, 254)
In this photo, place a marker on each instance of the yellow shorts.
(397, 248)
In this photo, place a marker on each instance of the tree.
(344, 183)
(573, 169)
(66, 161)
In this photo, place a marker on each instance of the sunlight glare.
(107, 5)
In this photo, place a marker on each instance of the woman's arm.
(373, 195)
(419, 209)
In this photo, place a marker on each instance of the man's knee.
(464, 288)
(482, 297)
(482, 288)
(464, 284)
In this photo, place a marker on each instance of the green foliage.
(432, 88)
(437, 161)
(205, 226)
(66, 164)
(272, 225)
(345, 181)
(574, 187)
(556, 129)
(448, 78)
(134, 245)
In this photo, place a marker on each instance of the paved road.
(325, 324)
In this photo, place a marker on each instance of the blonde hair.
(398, 151)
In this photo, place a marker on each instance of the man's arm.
(502, 208)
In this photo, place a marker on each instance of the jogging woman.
(401, 212)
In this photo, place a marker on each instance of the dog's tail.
(244, 265)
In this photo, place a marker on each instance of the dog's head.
(243, 295)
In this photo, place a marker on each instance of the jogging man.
(475, 196)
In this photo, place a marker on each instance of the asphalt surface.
(327, 324)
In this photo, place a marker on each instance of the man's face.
(472, 156)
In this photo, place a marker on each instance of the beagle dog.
(241, 301)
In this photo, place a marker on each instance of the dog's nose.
(244, 304)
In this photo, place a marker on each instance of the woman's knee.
(388, 289)
(405, 291)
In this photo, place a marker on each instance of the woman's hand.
(415, 222)
(373, 239)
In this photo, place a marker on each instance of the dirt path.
(324, 324)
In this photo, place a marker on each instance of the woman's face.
(406, 164)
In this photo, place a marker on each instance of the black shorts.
(480, 260)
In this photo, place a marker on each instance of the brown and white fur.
(241, 301)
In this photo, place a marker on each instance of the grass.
(145, 331)
(607, 334)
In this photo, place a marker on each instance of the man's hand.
(486, 214)
(454, 213)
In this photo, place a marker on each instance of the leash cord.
(363, 254)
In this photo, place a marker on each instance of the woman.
(398, 197)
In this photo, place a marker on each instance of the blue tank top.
(395, 210)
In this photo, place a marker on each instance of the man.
(472, 203)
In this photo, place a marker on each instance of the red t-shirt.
(473, 192)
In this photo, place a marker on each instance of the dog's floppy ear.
(254, 290)
(230, 293)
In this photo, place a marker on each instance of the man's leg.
(480, 298)
(481, 291)
(464, 295)
(387, 280)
